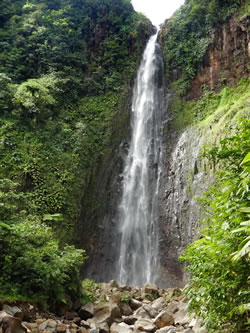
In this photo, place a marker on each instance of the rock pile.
(119, 309)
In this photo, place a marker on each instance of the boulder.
(115, 298)
(145, 325)
(159, 304)
(61, 328)
(43, 325)
(150, 289)
(163, 319)
(2, 315)
(86, 311)
(107, 312)
(51, 326)
(141, 313)
(91, 322)
(85, 324)
(77, 321)
(13, 311)
(10, 324)
(173, 292)
(137, 293)
(135, 304)
(126, 309)
(121, 328)
(103, 327)
(173, 307)
(181, 316)
(33, 327)
(70, 315)
(130, 320)
(73, 325)
(150, 310)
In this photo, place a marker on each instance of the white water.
(138, 262)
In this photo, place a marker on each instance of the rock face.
(227, 58)
(183, 179)
(96, 228)
(161, 311)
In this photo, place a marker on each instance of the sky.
(157, 10)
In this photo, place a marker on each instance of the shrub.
(33, 265)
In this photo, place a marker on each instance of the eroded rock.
(147, 315)
(145, 325)
(159, 304)
(163, 319)
(135, 304)
(126, 309)
(120, 328)
(86, 311)
(107, 313)
(13, 311)
(10, 324)
(150, 310)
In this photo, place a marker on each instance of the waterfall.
(138, 209)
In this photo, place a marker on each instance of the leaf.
(245, 209)
(53, 217)
(243, 229)
(243, 308)
(5, 226)
(246, 160)
(245, 250)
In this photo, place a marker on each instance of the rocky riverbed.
(117, 309)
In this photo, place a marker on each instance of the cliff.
(206, 101)
(227, 59)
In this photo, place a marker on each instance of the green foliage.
(245, 9)
(219, 260)
(36, 95)
(65, 72)
(125, 298)
(89, 289)
(32, 264)
(85, 41)
(211, 108)
(186, 37)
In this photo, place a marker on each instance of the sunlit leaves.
(36, 94)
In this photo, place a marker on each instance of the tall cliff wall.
(96, 229)
(186, 175)
(227, 58)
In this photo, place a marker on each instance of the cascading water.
(138, 262)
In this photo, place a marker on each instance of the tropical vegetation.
(186, 37)
(219, 260)
(66, 67)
